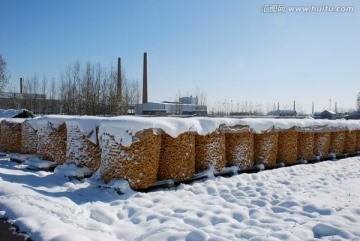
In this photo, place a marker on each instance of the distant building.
(189, 100)
(170, 108)
(283, 113)
(186, 106)
(36, 103)
(354, 115)
(241, 113)
(317, 115)
(326, 114)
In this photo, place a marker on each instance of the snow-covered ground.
(304, 202)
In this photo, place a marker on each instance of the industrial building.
(187, 106)
(36, 103)
(326, 114)
(283, 113)
(170, 108)
(39, 104)
(354, 115)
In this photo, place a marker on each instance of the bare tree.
(91, 90)
(70, 89)
(43, 98)
(53, 102)
(4, 76)
(130, 96)
(64, 93)
(133, 95)
(99, 77)
(87, 82)
(201, 98)
(176, 110)
(31, 97)
(110, 92)
(75, 85)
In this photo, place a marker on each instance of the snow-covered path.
(303, 202)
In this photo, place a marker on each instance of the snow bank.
(71, 170)
(40, 164)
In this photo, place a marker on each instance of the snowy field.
(304, 202)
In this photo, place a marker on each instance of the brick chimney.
(145, 94)
(21, 85)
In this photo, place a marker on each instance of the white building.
(170, 108)
(189, 100)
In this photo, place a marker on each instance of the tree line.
(91, 89)
(82, 89)
(4, 76)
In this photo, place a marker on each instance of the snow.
(9, 113)
(71, 170)
(303, 202)
(124, 128)
(20, 157)
(39, 163)
(13, 120)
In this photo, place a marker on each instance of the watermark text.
(282, 8)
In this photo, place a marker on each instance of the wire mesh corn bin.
(210, 151)
(265, 148)
(138, 163)
(305, 145)
(337, 142)
(29, 138)
(10, 135)
(322, 142)
(239, 147)
(350, 141)
(287, 146)
(81, 150)
(177, 157)
(52, 142)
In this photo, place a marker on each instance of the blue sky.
(229, 49)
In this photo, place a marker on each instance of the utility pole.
(118, 87)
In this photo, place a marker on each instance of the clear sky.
(230, 49)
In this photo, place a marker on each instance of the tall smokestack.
(119, 82)
(336, 107)
(145, 94)
(21, 85)
(313, 106)
(294, 107)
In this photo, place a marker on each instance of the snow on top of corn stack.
(13, 120)
(86, 124)
(124, 128)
